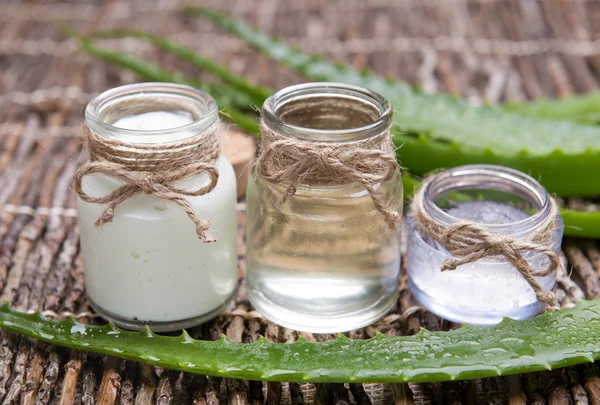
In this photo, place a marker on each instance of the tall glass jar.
(503, 202)
(148, 266)
(325, 260)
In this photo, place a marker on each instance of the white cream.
(148, 264)
(152, 121)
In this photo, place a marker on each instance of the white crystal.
(480, 292)
(487, 212)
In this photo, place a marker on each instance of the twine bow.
(151, 169)
(469, 242)
(295, 162)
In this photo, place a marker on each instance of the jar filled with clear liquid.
(325, 260)
(500, 200)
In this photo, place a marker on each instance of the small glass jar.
(148, 266)
(503, 201)
(325, 260)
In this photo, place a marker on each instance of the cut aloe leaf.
(583, 108)
(154, 73)
(561, 153)
(581, 224)
(151, 72)
(552, 340)
(247, 90)
(561, 173)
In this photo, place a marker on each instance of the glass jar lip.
(519, 179)
(332, 89)
(146, 90)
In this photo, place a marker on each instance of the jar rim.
(273, 104)
(524, 185)
(150, 91)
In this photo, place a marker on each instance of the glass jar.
(147, 266)
(325, 260)
(502, 201)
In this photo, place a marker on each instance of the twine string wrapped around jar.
(323, 207)
(152, 169)
(296, 162)
(468, 242)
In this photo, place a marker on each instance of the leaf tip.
(185, 337)
(422, 332)
(456, 145)
(489, 151)
(147, 333)
(557, 152)
(423, 138)
(261, 340)
(378, 336)
(71, 320)
(589, 356)
(301, 339)
(37, 315)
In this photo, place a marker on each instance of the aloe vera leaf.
(583, 108)
(409, 185)
(580, 108)
(440, 116)
(552, 340)
(577, 223)
(152, 72)
(244, 122)
(555, 150)
(561, 173)
(581, 224)
(256, 93)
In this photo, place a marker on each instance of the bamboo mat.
(484, 50)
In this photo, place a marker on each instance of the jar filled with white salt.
(156, 203)
(483, 243)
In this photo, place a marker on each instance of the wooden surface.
(484, 50)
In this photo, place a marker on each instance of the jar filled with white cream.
(156, 208)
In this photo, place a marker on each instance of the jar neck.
(327, 113)
(489, 177)
(197, 108)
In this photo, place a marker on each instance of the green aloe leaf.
(583, 108)
(229, 105)
(256, 94)
(559, 172)
(561, 153)
(581, 224)
(552, 340)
